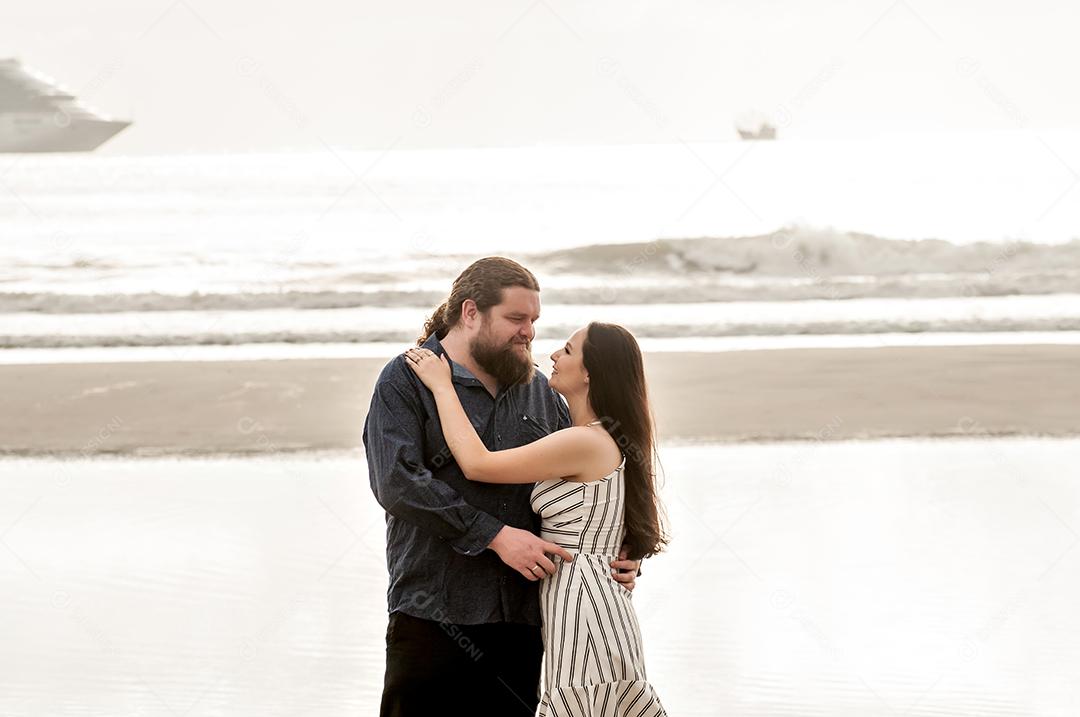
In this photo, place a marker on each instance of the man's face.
(502, 343)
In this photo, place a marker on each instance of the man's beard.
(506, 363)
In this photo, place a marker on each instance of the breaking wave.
(788, 265)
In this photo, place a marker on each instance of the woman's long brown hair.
(618, 395)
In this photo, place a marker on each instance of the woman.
(594, 492)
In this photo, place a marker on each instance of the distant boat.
(37, 115)
(754, 125)
(763, 131)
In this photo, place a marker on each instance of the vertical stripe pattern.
(593, 660)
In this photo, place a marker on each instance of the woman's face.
(568, 374)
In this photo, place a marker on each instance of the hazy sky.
(239, 74)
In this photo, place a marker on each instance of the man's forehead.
(520, 300)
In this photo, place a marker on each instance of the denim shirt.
(438, 523)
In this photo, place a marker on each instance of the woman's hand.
(433, 370)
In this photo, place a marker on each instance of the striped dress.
(593, 661)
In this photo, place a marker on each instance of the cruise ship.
(36, 115)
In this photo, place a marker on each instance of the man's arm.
(403, 484)
(405, 488)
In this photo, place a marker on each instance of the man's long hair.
(482, 281)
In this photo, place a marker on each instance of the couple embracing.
(518, 510)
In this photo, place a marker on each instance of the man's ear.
(469, 312)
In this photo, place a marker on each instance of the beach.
(867, 419)
(267, 406)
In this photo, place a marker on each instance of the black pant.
(442, 668)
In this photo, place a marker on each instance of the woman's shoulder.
(602, 452)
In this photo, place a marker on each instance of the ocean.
(913, 238)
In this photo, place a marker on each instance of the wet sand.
(267, 406)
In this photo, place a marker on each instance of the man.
(464, 628)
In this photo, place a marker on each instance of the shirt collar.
(456, 370)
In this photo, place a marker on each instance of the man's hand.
(526, 553)
(631, 567)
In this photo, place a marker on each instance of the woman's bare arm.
(561, 454)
